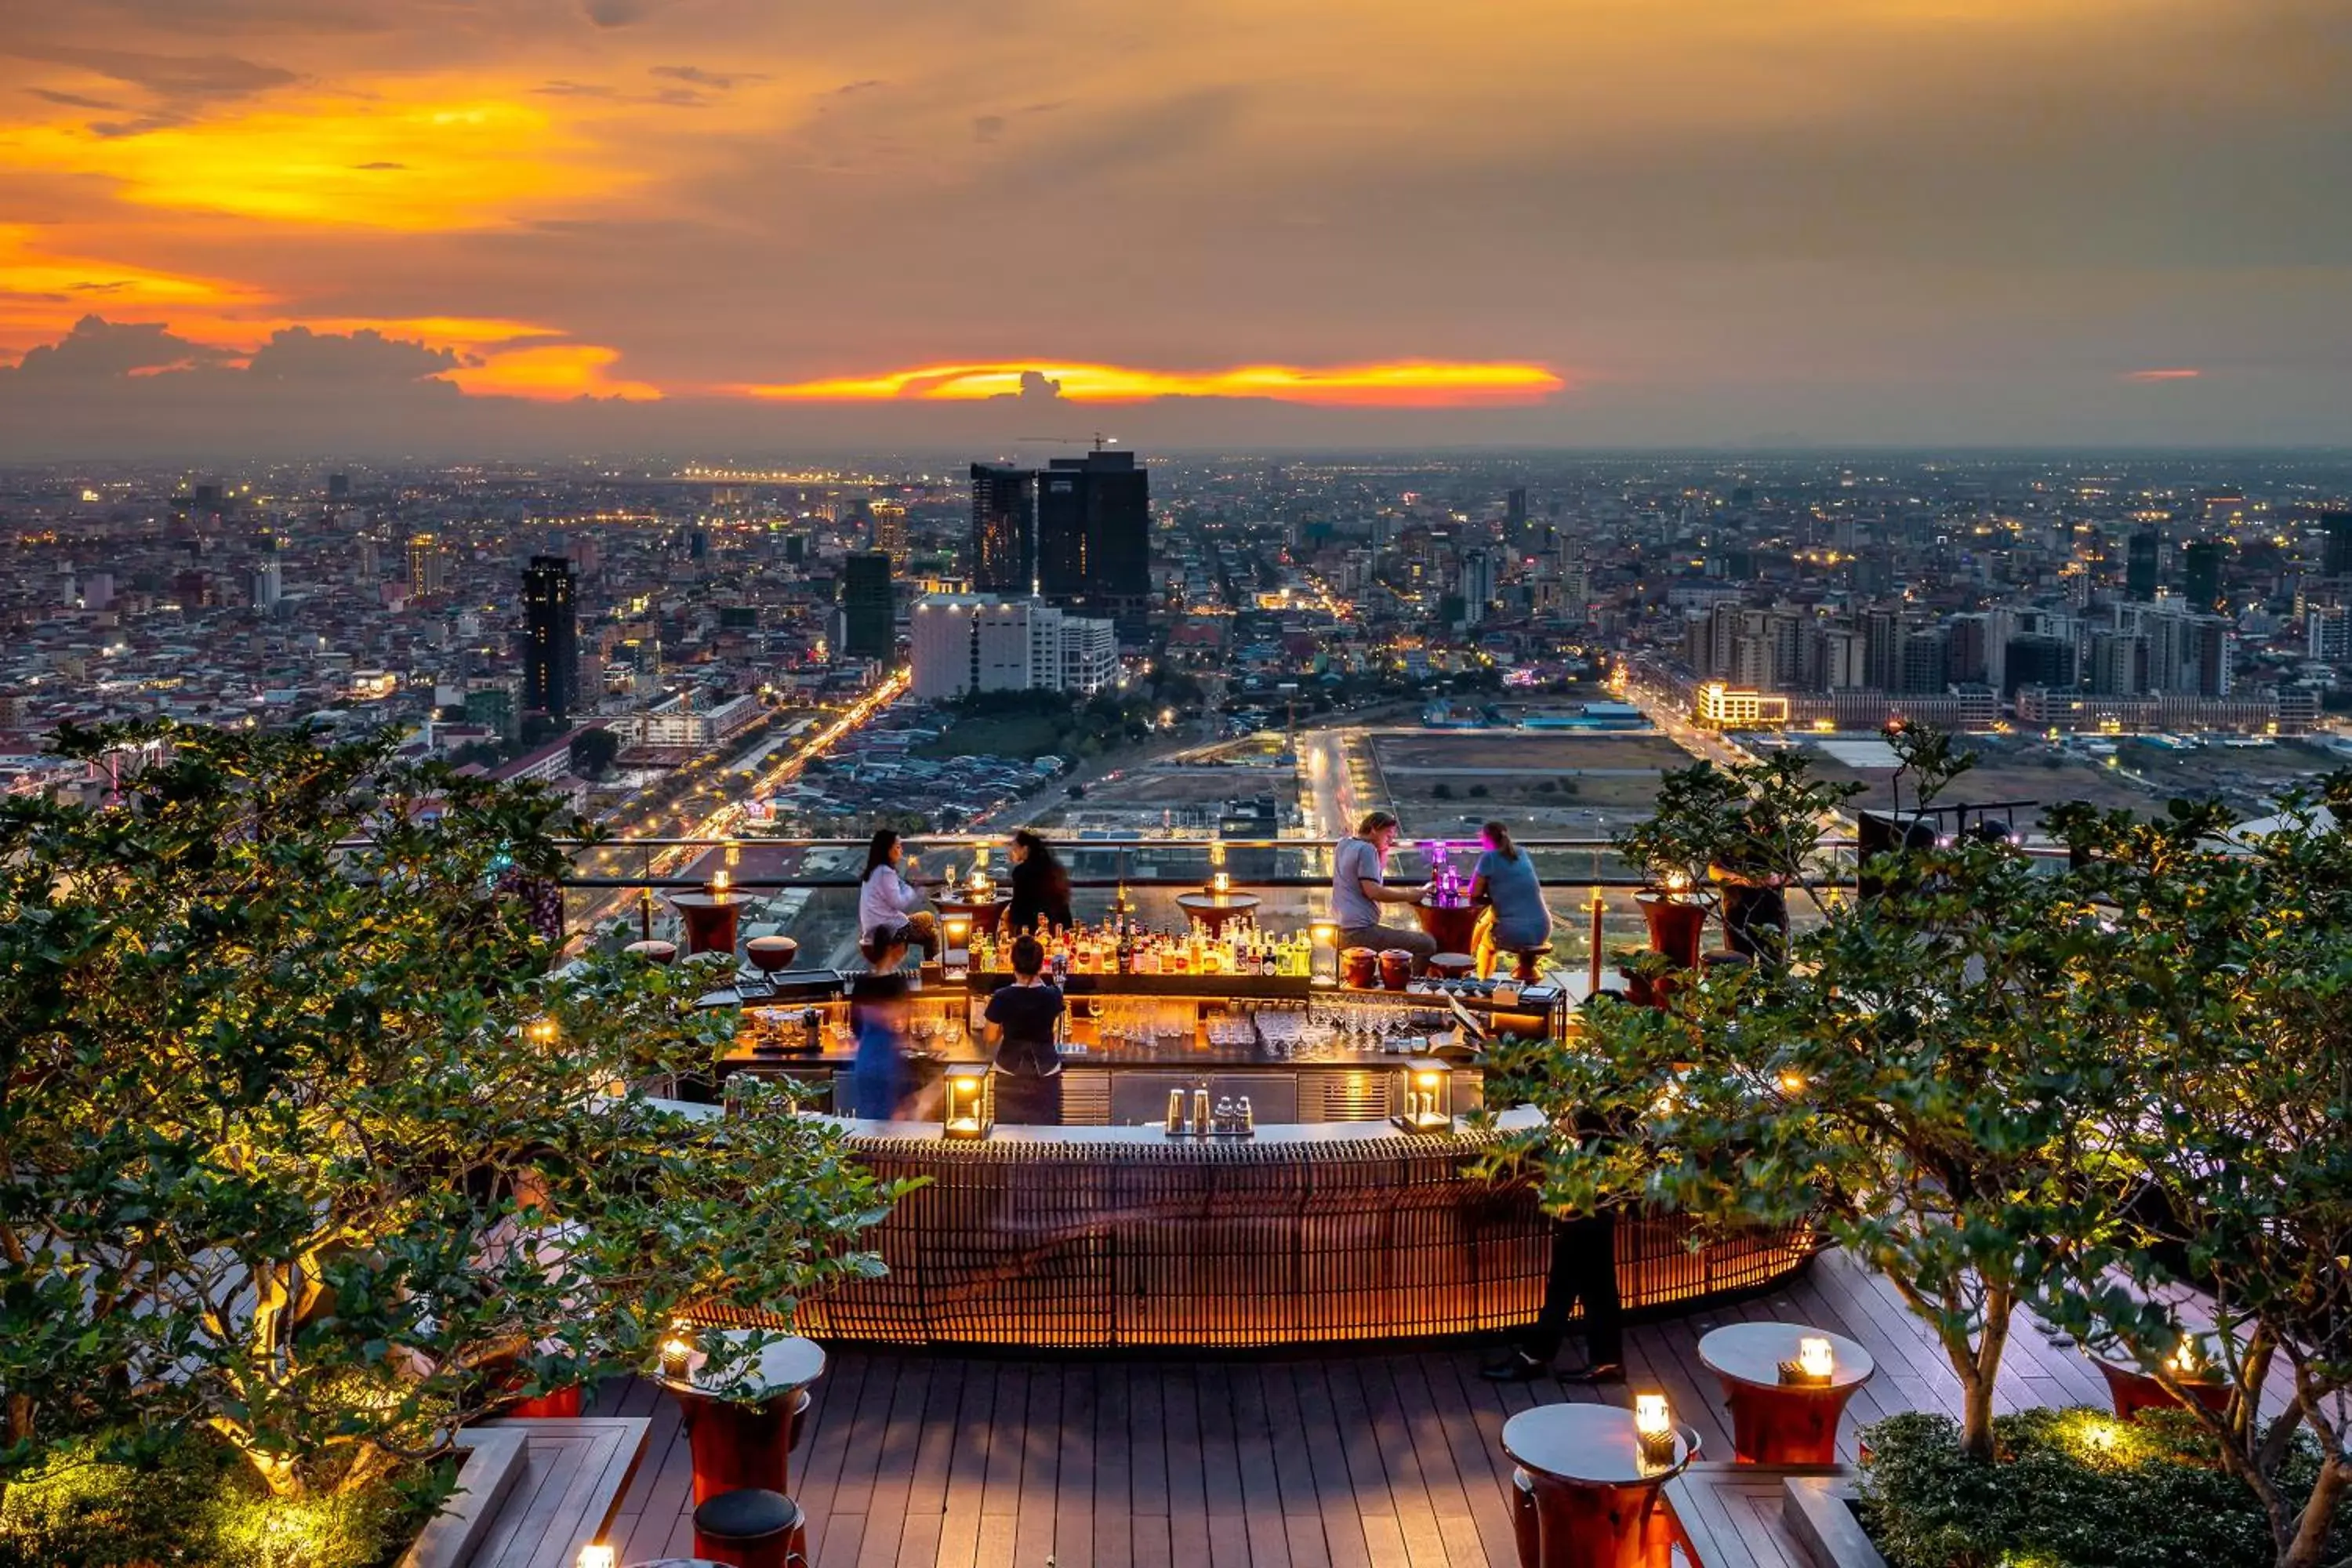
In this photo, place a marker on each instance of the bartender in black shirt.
(1020, 1026)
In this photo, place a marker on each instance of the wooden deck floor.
(916, 1460)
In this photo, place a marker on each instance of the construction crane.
(1100, 440)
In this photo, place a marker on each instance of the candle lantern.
(1221, 883)
(971, 1094)
(955, 956)
(719, 881)
(596, 1554)
(1323, 952)
(675, 1351)
(1653, 1428)
(1815, 1364)
(1425, 1092)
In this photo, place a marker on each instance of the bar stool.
(1527, 963)
(751, 1528)
(654, 950)
(769, 954)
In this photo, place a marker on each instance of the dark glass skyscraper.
(1003, 529)
(2139, 564)
(550, 627)
(868, 629)
(2335, 559)
(1094, 529)
(2201, 573)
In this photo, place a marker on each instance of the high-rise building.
(2037, 658)
(890, 531)
(1476, 585)
(428, 566)
(1004, 530)
(2140, 564)
(267, 587)
(2327, 632)
(979, 642)
(1923, 673)
(868, 628)
(339, 487)
(2336, 557)
(550, 661)
(1515, 514)
(1094, 529)
(2201, 574)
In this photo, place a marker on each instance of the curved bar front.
(1095, 1237)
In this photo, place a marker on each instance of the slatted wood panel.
(1336, 1458)
(1093, 1247)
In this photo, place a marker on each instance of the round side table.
(1454, 927)
(709, 920)
(986, 913)
(1596, 1499)
(737, 1445)
(1777, 1422)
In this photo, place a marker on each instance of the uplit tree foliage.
(1905, 1083)
(308, 1147)
(2229, 983)
(2116, 1090)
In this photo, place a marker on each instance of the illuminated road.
(727, 818)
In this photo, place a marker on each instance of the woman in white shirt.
(887, 903)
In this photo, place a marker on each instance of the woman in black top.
(1021, 1019)
(1040, 886)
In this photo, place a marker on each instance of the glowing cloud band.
(1403, 384)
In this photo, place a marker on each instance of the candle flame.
(1815, 1357)
(1650, 1415)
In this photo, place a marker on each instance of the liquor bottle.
(1126, 948)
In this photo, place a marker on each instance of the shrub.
(192, 1502)
(2072, 1489)
(1477, 792)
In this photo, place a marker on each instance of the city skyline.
(625, 226)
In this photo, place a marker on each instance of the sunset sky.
(1571, 222)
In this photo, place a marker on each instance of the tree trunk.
(2305, 1550)
(1976, 1417)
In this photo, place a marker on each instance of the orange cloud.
(1403, 384)
(553, 372)
(451, 156)
(2182, 375)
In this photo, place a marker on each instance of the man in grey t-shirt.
(1358, 891)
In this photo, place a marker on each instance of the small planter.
(1676, 923)
(2134, 1390)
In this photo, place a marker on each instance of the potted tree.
(1696, 811)
(1771, 846)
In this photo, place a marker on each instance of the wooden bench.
(1732, 1515)
(574, 1473)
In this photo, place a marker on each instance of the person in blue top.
(882, 1079)
(1504, 881)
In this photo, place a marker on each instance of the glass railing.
(807, 889)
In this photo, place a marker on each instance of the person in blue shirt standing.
(1516, 918)
(882, 1079)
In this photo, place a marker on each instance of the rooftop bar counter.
(1329, 1222)
(1099, 1237)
